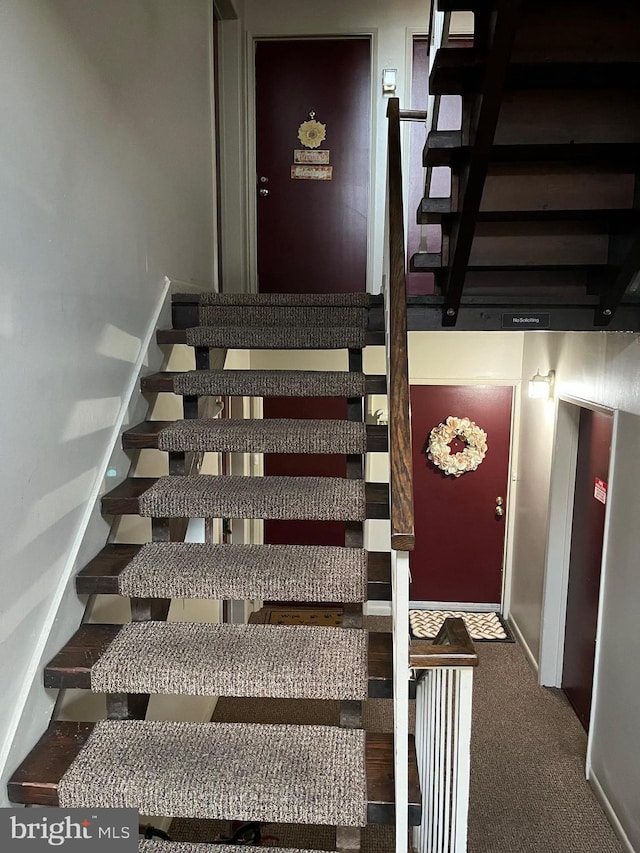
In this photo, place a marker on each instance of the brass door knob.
(499, 512)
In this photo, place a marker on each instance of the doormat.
(303, 616)
(488, 627)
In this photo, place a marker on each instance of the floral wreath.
(457, 464)
(312, 133)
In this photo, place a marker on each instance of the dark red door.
(460, 521)
(305, 465)
(312, 232)
(587, 532)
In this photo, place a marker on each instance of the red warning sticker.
(600, 491)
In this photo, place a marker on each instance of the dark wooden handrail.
(401, 479)
(451, 647)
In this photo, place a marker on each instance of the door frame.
(512, 479)
(558, 551)
(251, 206)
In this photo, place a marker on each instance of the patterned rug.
(425, 624)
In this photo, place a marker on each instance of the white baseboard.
(517, 633)
(377, 608)
(179, 286)
(612, 817)
(455, 606)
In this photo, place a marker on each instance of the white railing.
(444, 672)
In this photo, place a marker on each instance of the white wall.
(601, 368)
(532, 470)
(391, 26)
(613, 757)
(105, 168)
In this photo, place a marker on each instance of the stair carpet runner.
(242, 771)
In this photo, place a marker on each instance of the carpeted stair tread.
(265, 383)
(232, 771)
(178, 335)
(277, 337)
(36, 781)
(126, 498)
(161, 846)
(281, 572)
(146, 435)
(205, 659)
(290, 315)
(230, 496)
(211, 571)
(285, 299)
(276, 435)
(271, 383)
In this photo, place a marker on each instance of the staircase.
(335, 775)
(541, 229)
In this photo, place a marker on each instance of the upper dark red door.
(312, 232)
(460, 522)
(585, 560)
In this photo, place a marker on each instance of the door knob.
(499, 512)
(264, 191)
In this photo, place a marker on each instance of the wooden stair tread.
(157, 383)
(124, 498)
(430, 261)
(36, 781)
(440, 213)
(145, 436)
(457, 72)
(445, 148)
(100, 575)
(71, 667)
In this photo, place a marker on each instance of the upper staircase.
(541, 227)
(337, 775)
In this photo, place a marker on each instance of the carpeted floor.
(528, 792)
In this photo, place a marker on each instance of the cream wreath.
(441, 436)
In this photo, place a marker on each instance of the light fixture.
(389, 81)
(541, 387)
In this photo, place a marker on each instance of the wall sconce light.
(541, 387)
(389, 80)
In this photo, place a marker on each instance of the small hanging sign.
(600, 491)
(306, 172)
(303, 155)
